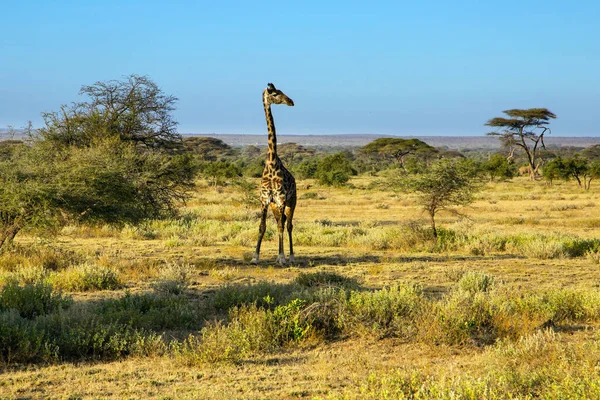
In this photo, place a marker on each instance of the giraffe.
(278, 186)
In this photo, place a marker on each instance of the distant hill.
(452, 142)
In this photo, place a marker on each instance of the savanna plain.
(504, 303)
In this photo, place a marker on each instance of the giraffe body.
(278, 186)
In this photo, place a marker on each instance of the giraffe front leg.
(261, 232)
(280, 228)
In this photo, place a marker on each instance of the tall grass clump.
(551, 246)
(174, 278)
(463, 318)
(324, 279)
(86, 277)
(475, 281)
(390, 311)
(70, 336)
(262, 294)
(39, 256)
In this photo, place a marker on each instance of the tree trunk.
(434, 229)
(8, 234)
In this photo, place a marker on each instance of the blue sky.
(382, 67)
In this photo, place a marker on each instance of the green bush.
(387, 312)
(151, 311)
(286, 323)
(307, 169)
(334, 170)
(62, 336)
(218, 172)
(76, 337)
(263, 294)
(32, 300)
(462, 318)
(250, 331)
(475, 281)
(246, 334)
(20, 341)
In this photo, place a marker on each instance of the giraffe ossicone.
(278, 186)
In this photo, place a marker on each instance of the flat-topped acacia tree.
(399, 148)
(524, 129)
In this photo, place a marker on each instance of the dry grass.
(526, 235)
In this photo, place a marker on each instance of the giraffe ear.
(271, 88)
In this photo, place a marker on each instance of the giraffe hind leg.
(261, 232)
(290, 226)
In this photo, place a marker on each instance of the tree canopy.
(133, 109)
(208, 148)
(398, 148)
(592, 152)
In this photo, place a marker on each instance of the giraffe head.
(272, 95)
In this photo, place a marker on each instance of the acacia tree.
(293, 154)
(577, 167)
(524, 129)
(133, 109)
(87, 165)
(208, 148)
(446, 183)
(399, 149)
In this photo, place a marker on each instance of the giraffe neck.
(272, 143)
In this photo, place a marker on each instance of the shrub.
(386, 312)
(263, 294)
(32, 300)
(19, 341)
(174, 279)
(218, 172)
(334, 170)
(286, 323)
(86, 277)
(251, 331)
(150, 311)
(62, 336)
(462, 318)
(77, 337)
(245, 335)
(474, 282)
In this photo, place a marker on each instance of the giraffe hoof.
(281, 260)
(292, 259)
(254, 259)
